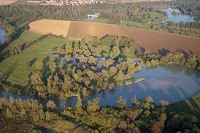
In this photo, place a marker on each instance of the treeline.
(142, 116)
(19, 14)
(30, 109)
(117, 13)
(151, 59)
(190, 7)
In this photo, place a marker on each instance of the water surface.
(172, 83)
(92, 18)
(177, 19)
(2, 36)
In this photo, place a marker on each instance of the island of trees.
(88, 66)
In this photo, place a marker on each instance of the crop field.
(45, 26)
(145, 39)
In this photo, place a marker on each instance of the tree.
(134, 101)
(115, 52)
(113, 70)
(148, 103)
(39, 65)
(69, 48)
(93, 106)
(121, 103)
(51, 105)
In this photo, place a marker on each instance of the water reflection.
(167, 82)
(177, 19)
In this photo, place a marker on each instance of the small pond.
(165, 82)
(92, 17)
(177, 19)
(2, 36)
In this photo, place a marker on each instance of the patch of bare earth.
(6, 2)
(145, 39)
(45, 26)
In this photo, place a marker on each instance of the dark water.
(165, 82)
(177, 19)
(6, 94)
(2, 36)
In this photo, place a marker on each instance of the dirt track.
(145, 39)
(6, 2)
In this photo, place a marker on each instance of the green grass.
(24, 37)
(190, 106)
(18, 62)
(136, 25)
(154, 16)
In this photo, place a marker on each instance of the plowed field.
(145, 39)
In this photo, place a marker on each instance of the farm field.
(145, 39)
(45, 26)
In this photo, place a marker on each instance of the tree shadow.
(142, 50)
(42, 129)
(30, 63)
(9, 71)
(46, 60)
(163, 51)
(182, 51)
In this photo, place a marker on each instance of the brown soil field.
(151, 40)
(45, 26)
(159, 42)
(6, 2)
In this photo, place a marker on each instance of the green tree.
(39, 65)
(51, 105)
(121, 103)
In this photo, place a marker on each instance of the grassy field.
(18, 62)
(24, 37)
(99, 20)
(190, 106)
(136, 25)
(154, 16)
